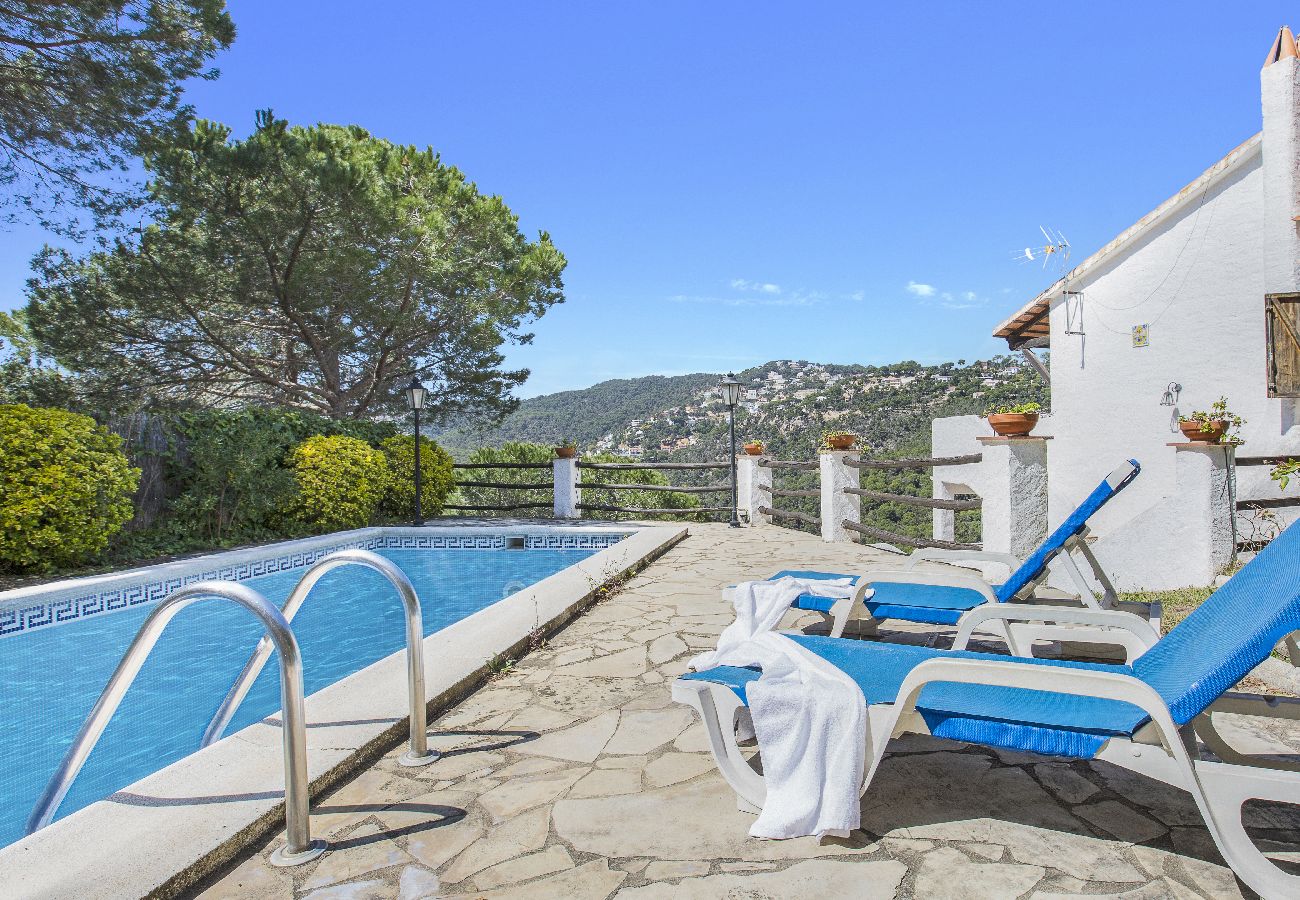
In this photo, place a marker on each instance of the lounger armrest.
(963, 557)
(1110, 685)
(935, 579)
(1055, 615)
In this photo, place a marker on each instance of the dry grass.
(1178, 605)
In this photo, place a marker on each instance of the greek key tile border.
(22, 617)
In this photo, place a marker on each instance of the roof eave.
(1035, 308)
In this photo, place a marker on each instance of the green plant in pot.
(567, 448)
(838, 440)
(1218, 425)
(754, 447)
(1013, 420)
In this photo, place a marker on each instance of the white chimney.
(1280, 89)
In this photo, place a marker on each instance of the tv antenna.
(1056, 251)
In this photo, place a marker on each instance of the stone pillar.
(751, 479)
(567, 493)
(943, 522)
(838, 506)
(1203, 510)
(1014, 510)
(1280, 95)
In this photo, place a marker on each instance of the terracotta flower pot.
(754, 448)
(1195, 431)
(566, 452)
(1013, 424)
(841, 441)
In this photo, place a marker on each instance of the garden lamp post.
(416, 394)
(730, 388)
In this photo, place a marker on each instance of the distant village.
(788, 395)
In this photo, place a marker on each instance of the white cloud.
(795, 299)
(760, 287)
(931, 295)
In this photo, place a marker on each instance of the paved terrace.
(575, 776)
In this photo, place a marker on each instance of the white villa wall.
(1198, 281)
(1196, 272)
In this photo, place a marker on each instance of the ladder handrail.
(299, 846)
(418, 753)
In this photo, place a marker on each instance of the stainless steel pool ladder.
(418, 752)
(298, 847)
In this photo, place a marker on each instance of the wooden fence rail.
(790, 514)
(707, 489)
(892, 538)
(929, 502)
(1263, 460)
(1276, 503)
(502, 465)
(918, 463)
(508, 507)
(645, 511)
(787, 464)
(778, 492)
(510, 486)
(666, 466)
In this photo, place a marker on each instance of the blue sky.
(737, 182)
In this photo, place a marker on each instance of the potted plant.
(1013, 420)
(567, 449)
(838, 440)
(1217, 426)
(754, 448)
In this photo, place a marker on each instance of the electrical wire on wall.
(1177, 291)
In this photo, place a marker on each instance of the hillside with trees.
(788, 405)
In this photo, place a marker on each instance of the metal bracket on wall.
(1072, 326)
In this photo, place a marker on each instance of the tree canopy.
(83, 83)
(314, 268)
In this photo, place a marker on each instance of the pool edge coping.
(99, 837)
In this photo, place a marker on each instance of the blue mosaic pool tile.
(14, 619)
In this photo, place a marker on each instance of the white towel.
(809, 717)
(760, 605)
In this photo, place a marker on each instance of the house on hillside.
(1197, 299)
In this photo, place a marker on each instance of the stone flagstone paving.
(574, 776)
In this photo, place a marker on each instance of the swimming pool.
(52, 674)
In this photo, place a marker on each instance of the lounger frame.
(1160, 749)
(1019, 636)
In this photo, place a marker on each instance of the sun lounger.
(1145, 716)
(942, 598)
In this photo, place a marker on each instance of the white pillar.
(567, 493)
(838, 506)
(1014, 509)
(1280, 95)
(751, 479)
(1204, 508)
(943, 522)
(1185, 539)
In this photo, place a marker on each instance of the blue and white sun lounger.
(1145, 716)
(941, 598)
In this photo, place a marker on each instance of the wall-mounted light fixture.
(1170, 396)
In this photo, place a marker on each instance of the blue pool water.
(50, 678)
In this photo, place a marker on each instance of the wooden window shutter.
(1282, 328)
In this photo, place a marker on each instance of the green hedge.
(339, 482)
(436, 478)
(65, 487)
(233, 470)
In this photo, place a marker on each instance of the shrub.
(436, 478)
(340, 481)
(65, 487)
(510, 452)
(233, 467)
